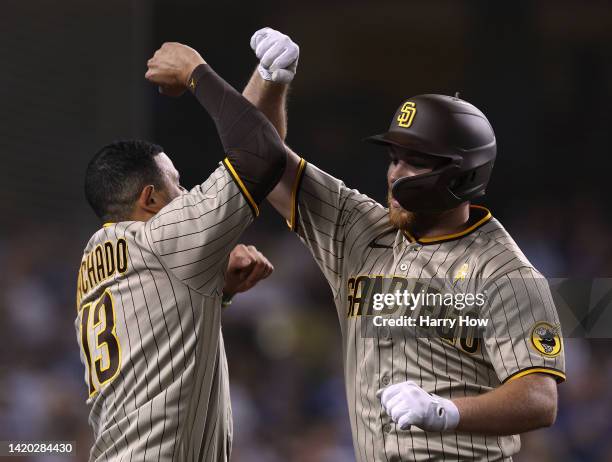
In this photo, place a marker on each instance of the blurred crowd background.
(72, 80)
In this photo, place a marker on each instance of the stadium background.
(72, 80)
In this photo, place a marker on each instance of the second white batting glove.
(277, 53)
(408, 404)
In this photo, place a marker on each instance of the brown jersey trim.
(558, 375)
(292, 222)
(449, 237)
(241, 186)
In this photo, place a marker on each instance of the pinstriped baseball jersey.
(149, 327)
(362, 255)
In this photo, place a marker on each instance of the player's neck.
(139, 215)
(442, 223)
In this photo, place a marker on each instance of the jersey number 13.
(99, 341)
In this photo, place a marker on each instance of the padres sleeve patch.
(545, 339)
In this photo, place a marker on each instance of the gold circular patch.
(545, 339)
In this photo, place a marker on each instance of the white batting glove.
(277, 53)
(408, 404)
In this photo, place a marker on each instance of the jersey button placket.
(385, 333)
(384, 337)
(411, 248)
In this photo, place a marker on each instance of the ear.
(149, 200)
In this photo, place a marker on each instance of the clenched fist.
(171, 66)
(278, 55)
(246, 267)
(408, 404)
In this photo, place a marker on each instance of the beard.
(400, 218)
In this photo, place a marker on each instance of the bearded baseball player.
(430, 388)
(151, 280)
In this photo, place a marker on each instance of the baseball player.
(151, 280)
(422, 383)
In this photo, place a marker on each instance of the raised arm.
(267, 90)
(255, 154)
(316, 206)
(271, 99)
(194, 234)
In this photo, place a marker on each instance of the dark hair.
(116, 176)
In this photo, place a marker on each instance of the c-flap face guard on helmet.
(427, 192)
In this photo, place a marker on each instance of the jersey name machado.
(149, 328)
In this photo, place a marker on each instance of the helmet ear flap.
(472, 183)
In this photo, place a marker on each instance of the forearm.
(271, 99)
(281, 196)
(251, 143)
(518, 406)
